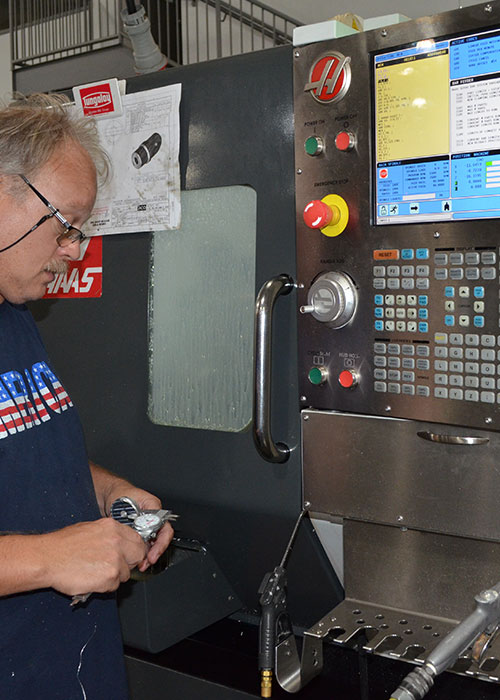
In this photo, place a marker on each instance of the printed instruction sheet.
(143, 192)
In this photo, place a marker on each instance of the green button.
(313, 146)
(316, 376)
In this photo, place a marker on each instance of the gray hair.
(33, 127)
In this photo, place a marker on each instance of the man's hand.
(109, 487)
(92, 556)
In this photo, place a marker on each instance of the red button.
(347, 379)
(344, 141)
(317, 214)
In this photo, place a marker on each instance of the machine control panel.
(398, 230)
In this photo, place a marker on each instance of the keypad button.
(441, 365)
(471, 339)
(441, 338)
(456, 394)
(471, 382)
(389, 326)
(487, 397)
(394, 388)
(423, 364)
(456, 339)
(488, 341)
(423, 327)
(472, 258)
(440, 351)
(478, 307)
(408, 389)
(478, 321)
(379, 271)
(449, 292)
(407, 254)
(393, 349)
(378, 299)
(471, 395)
(408, 283)
(456, 259)
(456, 273)
(423, 390)
(379, 325)
(422, 270)
(471, 273)
(464, 292)
(379, 312)
(441, 379)
(412, 327)
(389, 299)
(456, 366)
(471, 354)
(440, 392)
(488, 273)
(487, 383)
(379, 283)
(423, 300)
(408, 376)
(441, 273)
(449, 306)
(400, 313)
(393, 283)
(463, 321)
(401, 326)
(487, 368)
(393, 270)
(488, 257)
(380, 361)
(400, 300)
(412, 314)
(380, 348)
(423, 351)
(390, 313)
(422, 253)
(456, 380)
(379, 373)
(422, 283)
(472, 367)
(408, 350)
(408, 363)
(479, 292)
(457, 353)
(380, 387)
(412, 300)
(449, 320)
(487, 355)
(394, 375)
(408, 270)
(440, 258)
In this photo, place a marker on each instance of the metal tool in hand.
(146, 522)
(275, 622)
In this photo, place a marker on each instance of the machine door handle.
(452, 439)
(264, 306)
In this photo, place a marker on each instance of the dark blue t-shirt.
(48, 650)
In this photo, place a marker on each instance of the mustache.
(56, 266)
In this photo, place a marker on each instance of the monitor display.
(437, 130)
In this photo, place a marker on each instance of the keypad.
(433, 313)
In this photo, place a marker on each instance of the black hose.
(131, 8)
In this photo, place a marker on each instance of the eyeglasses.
(70, 233)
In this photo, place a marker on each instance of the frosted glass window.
(201, 313)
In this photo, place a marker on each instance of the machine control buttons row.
(486, 257)
(404, 254)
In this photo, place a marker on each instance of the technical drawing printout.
(143, 193)
(437, 130)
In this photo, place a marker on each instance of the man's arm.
(109, 487)
(95, 556)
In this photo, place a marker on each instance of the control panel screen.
(437, 130)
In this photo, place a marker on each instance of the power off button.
(348, 379)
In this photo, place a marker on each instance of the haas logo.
(329, 78)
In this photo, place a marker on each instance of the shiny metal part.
(264, 306)
(452, 439)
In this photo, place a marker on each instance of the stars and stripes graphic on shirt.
(28, 399)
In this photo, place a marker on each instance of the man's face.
(68, 181)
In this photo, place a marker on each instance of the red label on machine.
(99, 99)
(83, 277)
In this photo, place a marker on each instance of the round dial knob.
(332, 299)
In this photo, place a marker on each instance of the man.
(56, 539)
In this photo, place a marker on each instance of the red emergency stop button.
(318, 214)
(345, 141)
(348, 379)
